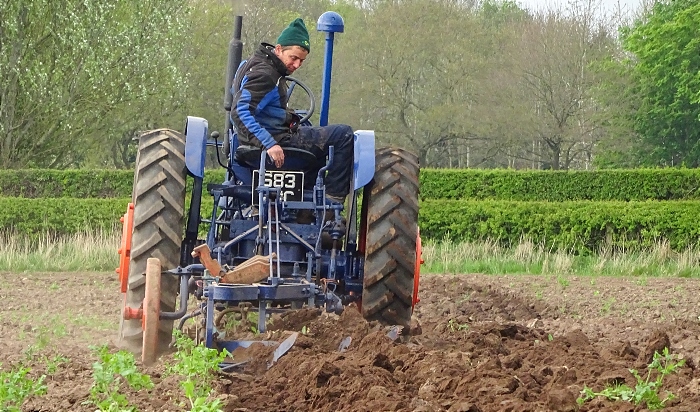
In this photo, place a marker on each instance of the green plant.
(197, 364)
(108, 373)
(33, 352)
(607, 306)
(455, 326)
(16, 386)
(53, 363)
(646, 390)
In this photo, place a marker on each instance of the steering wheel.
(292, 82)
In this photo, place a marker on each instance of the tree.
(68, 66)
(558, 52)
(666, 70)
(416, 90)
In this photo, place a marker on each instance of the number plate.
(290, 183)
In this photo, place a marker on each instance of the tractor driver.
(262, 119)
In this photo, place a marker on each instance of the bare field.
(488, 343)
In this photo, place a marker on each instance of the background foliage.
(579, 227)
(478, 84)
(77, 75)
(468, 184)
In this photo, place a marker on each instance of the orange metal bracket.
(416, 273)
(125, 247)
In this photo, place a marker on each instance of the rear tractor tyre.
(390, 236)
(158, 226)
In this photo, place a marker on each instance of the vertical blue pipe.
(326, 87)
(330, 22)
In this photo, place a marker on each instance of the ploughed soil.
(478, 343)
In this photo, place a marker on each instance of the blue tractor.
(270, 245)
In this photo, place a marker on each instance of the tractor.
(270, 245)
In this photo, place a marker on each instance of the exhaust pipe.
(235, 54)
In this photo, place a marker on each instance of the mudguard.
(363, 167)
(196, 133)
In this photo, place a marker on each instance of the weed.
(198, 365)
(607, 306)
(108, 375)
(53, 363)
(642, 281)
(646, 390)
(455, 326)
(563, 281)
(16, 386)
(465, 298)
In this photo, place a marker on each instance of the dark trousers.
(317, 140)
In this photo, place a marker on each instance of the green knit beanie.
(295, 35)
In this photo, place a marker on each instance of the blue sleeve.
(255, 93)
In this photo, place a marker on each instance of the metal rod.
(190, 316)
(326, 87)
(269, 235)
(184, 295)
(277, 235)
(239, 237)
(300, 239)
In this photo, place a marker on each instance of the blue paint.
(363, 165)
(330, 22)
(196, 133)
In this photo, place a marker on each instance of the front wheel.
(389, 234)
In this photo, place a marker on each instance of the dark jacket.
(259, 111)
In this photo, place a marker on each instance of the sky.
(609, 6)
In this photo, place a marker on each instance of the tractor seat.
(294, 159)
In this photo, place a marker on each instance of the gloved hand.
(293, 120)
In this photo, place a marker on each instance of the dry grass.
(529, 258)
(80, 252)
(98, 252)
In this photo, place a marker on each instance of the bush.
(59, 216)
(559, 186)
(39, 183)
(581, 227)
(468, 184)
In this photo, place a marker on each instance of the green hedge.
(37, 183)
(468, 184)
(559, 186)
(42, 183)
(575, 226)
(59, 216)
